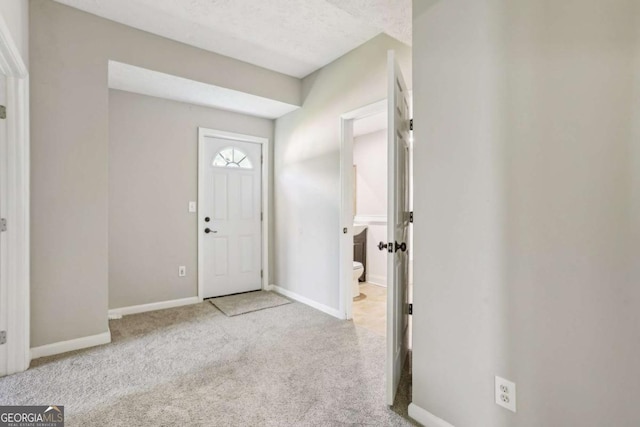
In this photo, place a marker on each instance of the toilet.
(358, 269)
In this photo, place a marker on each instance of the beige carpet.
(234, 305)
(286, 366)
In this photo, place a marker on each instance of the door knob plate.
(402, 246)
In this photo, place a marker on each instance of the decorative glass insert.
(231, 157)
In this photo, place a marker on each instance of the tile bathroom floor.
(370, 308)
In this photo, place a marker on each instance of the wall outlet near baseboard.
(506, 394)
(182, 271)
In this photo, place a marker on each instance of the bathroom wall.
(370, 158)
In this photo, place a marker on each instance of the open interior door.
(398, 227)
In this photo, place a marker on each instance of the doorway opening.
(352, 231)
(370, 177)
(394, 247)
(233, 214)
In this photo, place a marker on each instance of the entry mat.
(234, 305)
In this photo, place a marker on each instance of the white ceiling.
(153, 83)
(294, 37)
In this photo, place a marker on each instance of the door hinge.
(3, 337)
(3, 112)
(3, 225)
(261, 273)
(261, 216)
(411, 217)
(410, 309)
(411, 124)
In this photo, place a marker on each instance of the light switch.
(193, 207)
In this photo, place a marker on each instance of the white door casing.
(3, 214)
(14, 278)
(398, 227)
(230, 232)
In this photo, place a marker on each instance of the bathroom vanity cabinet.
(360, 252)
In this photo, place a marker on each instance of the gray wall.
(527, 160)
(307, 167)
(69, 152)
(153, 174)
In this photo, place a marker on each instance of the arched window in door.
(231, 157)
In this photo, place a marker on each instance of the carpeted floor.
(284, 366)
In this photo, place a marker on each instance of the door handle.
(382, 246)
(208, 230)
(402, 246)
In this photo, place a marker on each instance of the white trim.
(71, 345)
(425, 417)
(266, 197)
(11, 62)
(377, 280)
(304, 300)
(370, 219)
(346, 202)
(15, 282)
(366, 111)
(143, 308)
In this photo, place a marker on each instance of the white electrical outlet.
(506, 393)
(182, 271)
(193, 207)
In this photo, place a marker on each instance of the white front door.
(229, 218)
(398, 227)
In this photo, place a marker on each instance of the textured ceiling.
(152, 83)
(294, 37)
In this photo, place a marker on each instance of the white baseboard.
(71, 345)
(324, 308)
(425, 417)
(377, 280)
(143, 308)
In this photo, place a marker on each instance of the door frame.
(266, 196)
(15, 283)
(346, 200)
